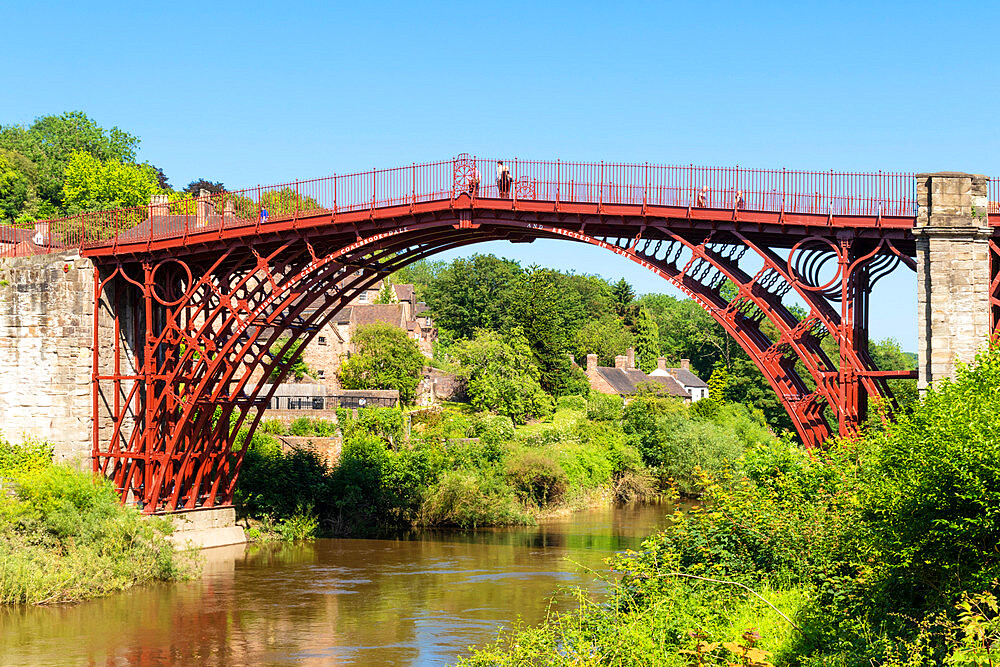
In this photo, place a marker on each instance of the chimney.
(202, 207)
(159, 205)
(620, 361)
(685, 364)
(630, 353)
(591, 363)
(661, 363)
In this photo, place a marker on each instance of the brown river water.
(421, 599)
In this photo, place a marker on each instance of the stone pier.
(953, 272)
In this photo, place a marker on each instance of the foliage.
(386, 294)
(501, 376)
(305, 426)
(647, 341)
(23, 458)
(90, 184)
(195, 187)
(48, 145)
(65, 536)
(474, 293)
(384, 423)
(934, 490)
(536, 478)
(384, 358)
(606, 336)
(604, 407)
(15, 184)
(276, 484)
(575, 402)
(291, 360)
(467, 499)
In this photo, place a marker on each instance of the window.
(322, 341)
(363, 297)
(321, 373)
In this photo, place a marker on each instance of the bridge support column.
(953, 272)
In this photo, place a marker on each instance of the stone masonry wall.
(953, 272)
(46, 338)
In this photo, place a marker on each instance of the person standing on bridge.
(474, 179)
(503, 180)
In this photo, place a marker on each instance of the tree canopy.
(384, 358)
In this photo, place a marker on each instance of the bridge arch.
(214, 327)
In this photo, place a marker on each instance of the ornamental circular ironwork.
(173, 285)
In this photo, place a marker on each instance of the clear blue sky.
(260, 92)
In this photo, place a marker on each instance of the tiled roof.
(687, 378)
(627, 382)
(404, 292)
(421, 307)
(390, 313)
(618, 379)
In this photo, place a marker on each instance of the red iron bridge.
(192, 294)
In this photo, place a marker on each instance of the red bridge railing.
(880, 194)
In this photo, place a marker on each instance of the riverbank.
(419, 598)
(453, 467)
(65, 537)
(879, 550)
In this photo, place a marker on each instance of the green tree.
(51, 141)
(291, 359)
(549, 316)
(386, 293)
(501, 375)
(91, 184)
(421, 275)
(384, 358)
(647, 341)
(623, 296)
(478, 292)
(15, 185)
(606, 337)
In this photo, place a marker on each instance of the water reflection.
(418, 599)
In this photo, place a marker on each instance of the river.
(421, 599)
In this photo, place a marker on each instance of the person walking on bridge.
(503, 180)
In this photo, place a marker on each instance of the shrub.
(536, 478)
(604, 407)
(385, 423)
(272, 427)
(384, 358)
(67, 536)
(576, 403)
(469, 499)
(275, 483)
(28, 456)
(493, 429)
(934, 498)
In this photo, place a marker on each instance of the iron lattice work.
(206, 335)
(195, 309)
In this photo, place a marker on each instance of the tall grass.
(65, 537)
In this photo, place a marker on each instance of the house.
(696, 388)
(333, 341)
(625, 379)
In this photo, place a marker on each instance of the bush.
(272, 427)
(384, 423)
(604, 407)
(26, 457)
(934, 489)
(469, 499)
(493, 429)
(536, 478)
(276, 484)
(304, 427)
(67, 536)
(576, 403)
